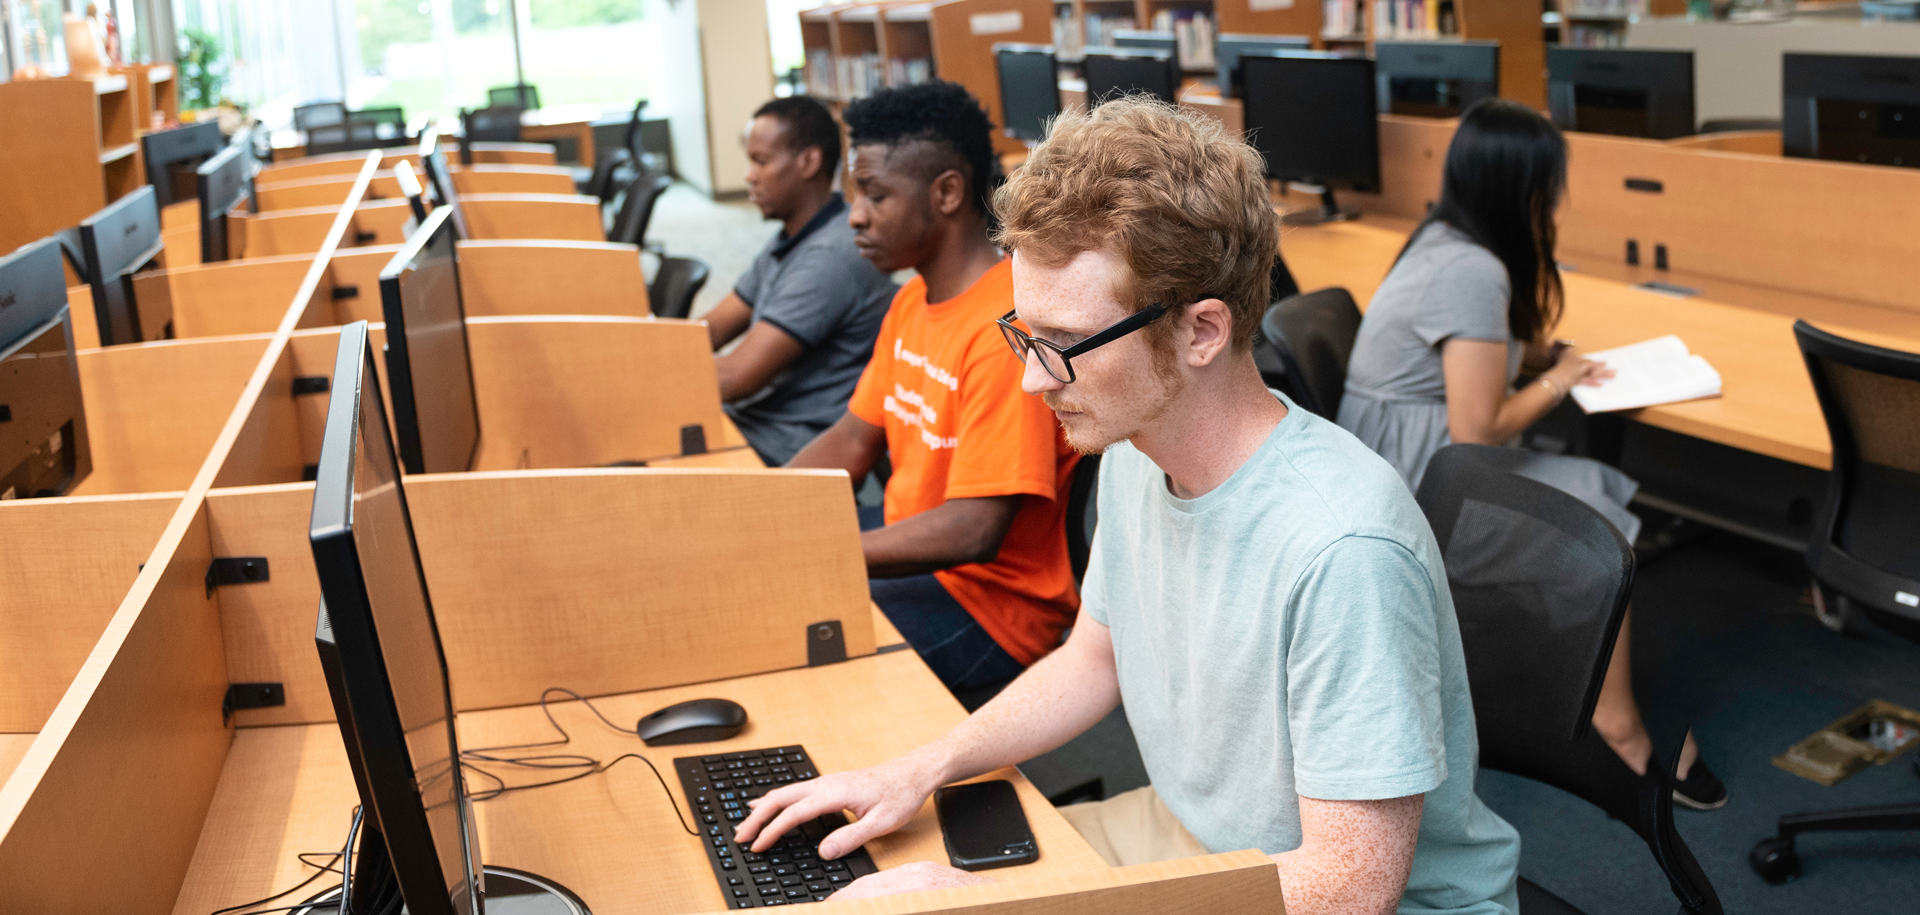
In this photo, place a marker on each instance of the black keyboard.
(718, 788)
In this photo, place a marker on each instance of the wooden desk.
(1767, 404)
(558, 121)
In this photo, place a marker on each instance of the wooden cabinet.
(72, 147)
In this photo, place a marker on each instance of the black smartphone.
(984, 826)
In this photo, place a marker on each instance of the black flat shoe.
(1700, 790)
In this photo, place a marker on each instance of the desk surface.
(1767, 403)
(609, 837)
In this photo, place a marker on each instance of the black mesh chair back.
(1313, 333)
(389, 124)
(1540, 583)
(319, 114)
(1280, 285)
(520, 96)
(349, 137)
(499, 124)
(607, 165)
(1866, 537)
(636, 209)
(1083, 513)
(632, 143)
(675, 284)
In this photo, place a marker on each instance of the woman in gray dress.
(1474, 295)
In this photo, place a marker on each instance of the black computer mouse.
(692, 721)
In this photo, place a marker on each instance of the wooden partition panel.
(333, 165)
(86, 329)
(358, 270)
(66, 563)
(292, 231)
(512, 179)
(546, 216)
(302, 193)
(505, 153)
(270, 447)
(1757, 142)
(1240, 882)
(539, 578)
(583, 391)
(153, 409)
(379, 222)
(1413, 152)
(529, 277)
(246, 296)
(268, 626)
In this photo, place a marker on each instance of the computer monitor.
(1029, 89)
(115, 244)
(44, 447)
(1621, 91)
(1117, 71)
(1228, 47)
(437, 423)
(1313, 118)
(1435, 79)
(377, 631)
(174, 156)
(1146, 40)
(433, 161)
(1851, 108)
(224, 181)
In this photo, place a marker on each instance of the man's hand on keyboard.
(884, 798)
(917, 877)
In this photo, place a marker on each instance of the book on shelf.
(1340, 19)
(859, 75)
(909, 71)
(1100, 28)
(1651, 372)
(1192, 36)
(1413, 19)
(820, 73)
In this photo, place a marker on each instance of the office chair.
(1083, 513)
(636, 209)
(609, 165)
(517, 96)
(348, 137)
(393, 119)
(319, 114)
(1266, 358)
(1313, 334)
(499, 124)
(1862, 555)
(675, 284)
(1540, 583)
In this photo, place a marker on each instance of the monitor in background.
(1144, 40)
(1029, 89)
(224, 181)
(1228, 47)
(437, 423)
(173, 157)
(1115, 71)
(115, 244)
(1312, 117)
(43, 421)
(1620, 91)
(1851, 108)
(1435, 79)
(433, 161)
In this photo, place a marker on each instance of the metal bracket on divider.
(311, 384)
(251, 695)
(826, 644)
(345, 292)
(361, 238)
(693, 439)
(236, 570)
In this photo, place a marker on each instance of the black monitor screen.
(116, 243)
(1029, 89)
(1437, 79)
(223, 183)
(1228, 48)
(1111, 72)
(1312, 117)
(388, 646)
(433, 161)
(1144, 40)
(1621, 91)
(173, 157)
(43, 423)
(427, 367)
(1851, 108)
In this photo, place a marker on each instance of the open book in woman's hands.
(1655, 371)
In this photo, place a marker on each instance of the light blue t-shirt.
(1290, 633)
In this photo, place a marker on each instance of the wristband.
(1553, 387)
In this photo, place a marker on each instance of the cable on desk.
(558, 760)
(345, 856)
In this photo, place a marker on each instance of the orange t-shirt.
(946, 387)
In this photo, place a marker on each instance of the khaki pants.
(1133, 828)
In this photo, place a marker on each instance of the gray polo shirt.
(817, 288)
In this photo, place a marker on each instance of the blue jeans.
(945, 635)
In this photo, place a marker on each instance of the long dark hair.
(1506, 171)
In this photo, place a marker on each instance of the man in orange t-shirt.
(971, 565)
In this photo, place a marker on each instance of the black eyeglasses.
(1057, 359)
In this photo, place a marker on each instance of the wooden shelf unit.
(73, 147)
(155, 89)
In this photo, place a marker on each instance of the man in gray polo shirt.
(806, 313)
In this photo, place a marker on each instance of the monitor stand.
(1327, 212)
(509, 892)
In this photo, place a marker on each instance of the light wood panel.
(1241, 882)
(358, 269)
(738, 458)
(1757, 142)
(512, 179)
(267, 627)
(269, 447)
(304, 230)
(643, 569)
(581, 391)
(66, 564)
(86, 327)
(534, 277)
(246, 296)
(506, 153)
(331, 190)
(546, 216)
(332, 165)
(51, 175)
(154, 409)
(12, 748)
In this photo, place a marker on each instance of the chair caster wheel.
(1775, 860)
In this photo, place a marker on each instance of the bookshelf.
(155, 91)
(73, 148)
(1603, 23)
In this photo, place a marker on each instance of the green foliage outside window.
(203, 70)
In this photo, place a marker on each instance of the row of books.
(1405, 19)
(1192, 34)
(858, 75)
(1340, 19)
(1603, 8)
(908, 71)
(1592, 36)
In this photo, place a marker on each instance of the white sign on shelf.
(1262, 6)
(999, 23)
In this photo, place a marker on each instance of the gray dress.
(1447, 287)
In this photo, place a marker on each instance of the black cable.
(346, 870)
